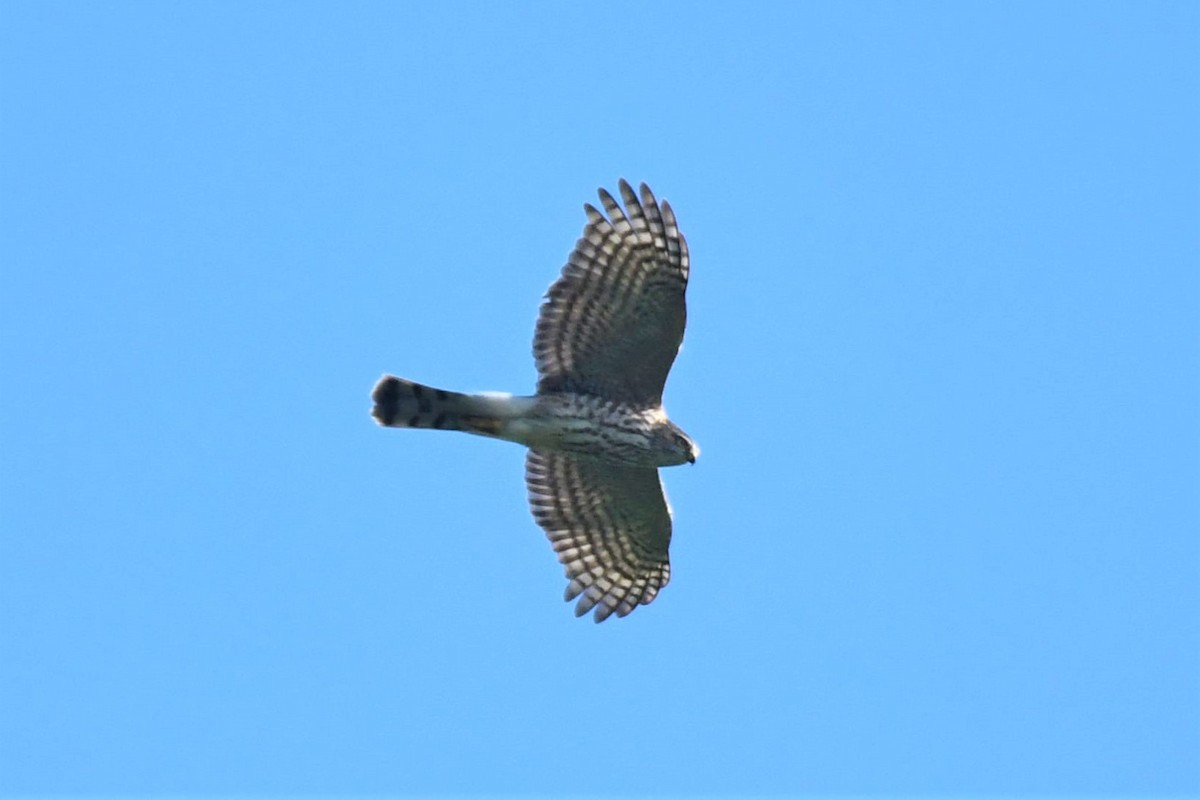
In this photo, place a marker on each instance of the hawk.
(606, 337)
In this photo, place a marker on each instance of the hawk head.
(677, 444)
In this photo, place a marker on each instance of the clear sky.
(943, 360)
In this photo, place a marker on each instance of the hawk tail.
(400, 403)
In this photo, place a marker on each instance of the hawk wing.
(612, 323)
(609, 524)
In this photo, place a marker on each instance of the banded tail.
(404, 404)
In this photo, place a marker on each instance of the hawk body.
(606, 337)
(582, 424)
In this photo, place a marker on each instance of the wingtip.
(604, 610)
(593, 214)
(610, 204)
(648, 198)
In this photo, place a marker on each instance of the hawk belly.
(590, 426)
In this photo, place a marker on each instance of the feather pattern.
(610, 526)
(612, 323)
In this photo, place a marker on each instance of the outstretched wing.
(613, 322)
(609, 524)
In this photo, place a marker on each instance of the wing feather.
(609, 525)
(612, 323)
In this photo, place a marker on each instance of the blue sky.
(942, 360)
